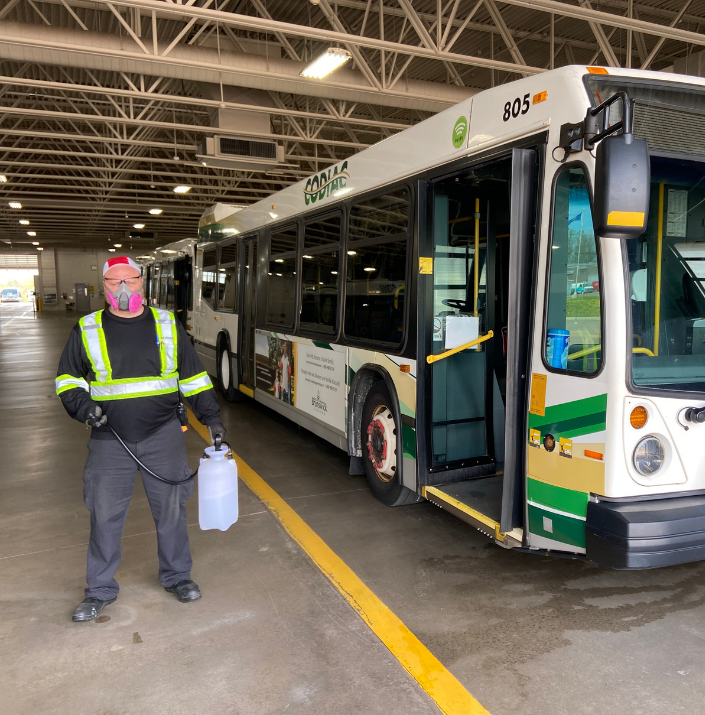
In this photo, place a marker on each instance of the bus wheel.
(381, 448)
(225, 374)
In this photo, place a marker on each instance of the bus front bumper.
(646, 534)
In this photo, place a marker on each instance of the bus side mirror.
(622, 184)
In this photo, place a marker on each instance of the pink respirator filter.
(133, 305)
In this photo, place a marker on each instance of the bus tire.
(225, 373)
(381, 448)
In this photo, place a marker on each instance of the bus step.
(458, 506)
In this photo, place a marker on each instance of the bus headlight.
(649, 456)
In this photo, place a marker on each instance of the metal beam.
(75, 48)
(247, 22)
(606, 18)
(601, 38)
(198, 129)
(504, 31)
(280, 109)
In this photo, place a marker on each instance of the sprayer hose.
(147, 469)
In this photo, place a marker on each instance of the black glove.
(96, 418)
(216, 428)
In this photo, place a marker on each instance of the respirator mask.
(124, 298)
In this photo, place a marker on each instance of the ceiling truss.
(103, 102)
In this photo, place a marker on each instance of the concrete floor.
(524, 634)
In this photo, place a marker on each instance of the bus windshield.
(667, 280)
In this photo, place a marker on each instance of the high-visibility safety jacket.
(104, 387)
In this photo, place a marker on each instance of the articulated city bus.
(500, 310)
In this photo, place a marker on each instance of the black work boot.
(185, 590)
(90, 608)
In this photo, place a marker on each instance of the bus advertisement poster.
(320, 384)
(275, 366)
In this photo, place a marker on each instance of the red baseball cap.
(117, 261)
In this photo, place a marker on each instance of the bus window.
(154, 285)
(376, 268)
(208, 281)
(320, 266)
(227, 277)
(667, 280)
(167, 296)
(281, 289)
(573, 321)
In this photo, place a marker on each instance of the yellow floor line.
(450, 696)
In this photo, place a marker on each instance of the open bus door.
(477, 290)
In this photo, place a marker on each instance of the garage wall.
(76, 266)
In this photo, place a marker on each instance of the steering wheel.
(455, 303)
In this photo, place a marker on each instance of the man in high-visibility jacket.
(126, 365)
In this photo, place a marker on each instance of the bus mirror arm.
(585, 134)
(435, 358)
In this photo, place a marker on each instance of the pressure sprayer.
(217, 480)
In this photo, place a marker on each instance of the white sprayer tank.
(217, 490)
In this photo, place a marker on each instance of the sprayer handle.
(217, 441)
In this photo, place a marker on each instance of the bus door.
(249, 308)
(474, 313)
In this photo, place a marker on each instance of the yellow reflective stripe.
(174, 345)
(200, 375)
(84, 338)
(171, 379)
(167, 339)
(129, 396)
(93, 337)
(160, 338)
(140, 387)
(69, 382)
(193, 385)
(196, 390)
(625, 218)
(103, 346)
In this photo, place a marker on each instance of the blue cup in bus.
(557, 348)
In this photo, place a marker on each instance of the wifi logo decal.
(460, 131)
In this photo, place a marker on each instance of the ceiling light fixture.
(3, 179)
(329, 61)
(369, 270)
(117, 245)
(31, 233)
(155, 212)
(15, 205)
(138, 225)
(24, 222)
(35, 243)
(39, 248)
(182, 189)
(111, 250)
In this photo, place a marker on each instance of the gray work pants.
(108, 482)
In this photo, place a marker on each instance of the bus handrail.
(435, 358)
(595, 348)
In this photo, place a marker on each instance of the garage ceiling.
(103, 104)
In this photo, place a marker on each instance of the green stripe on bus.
(576, 427)
(557, 497)
(408, 436)
(557, 527)
(351, 375)
(572, 419)
(320, 344)
(571, 410)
